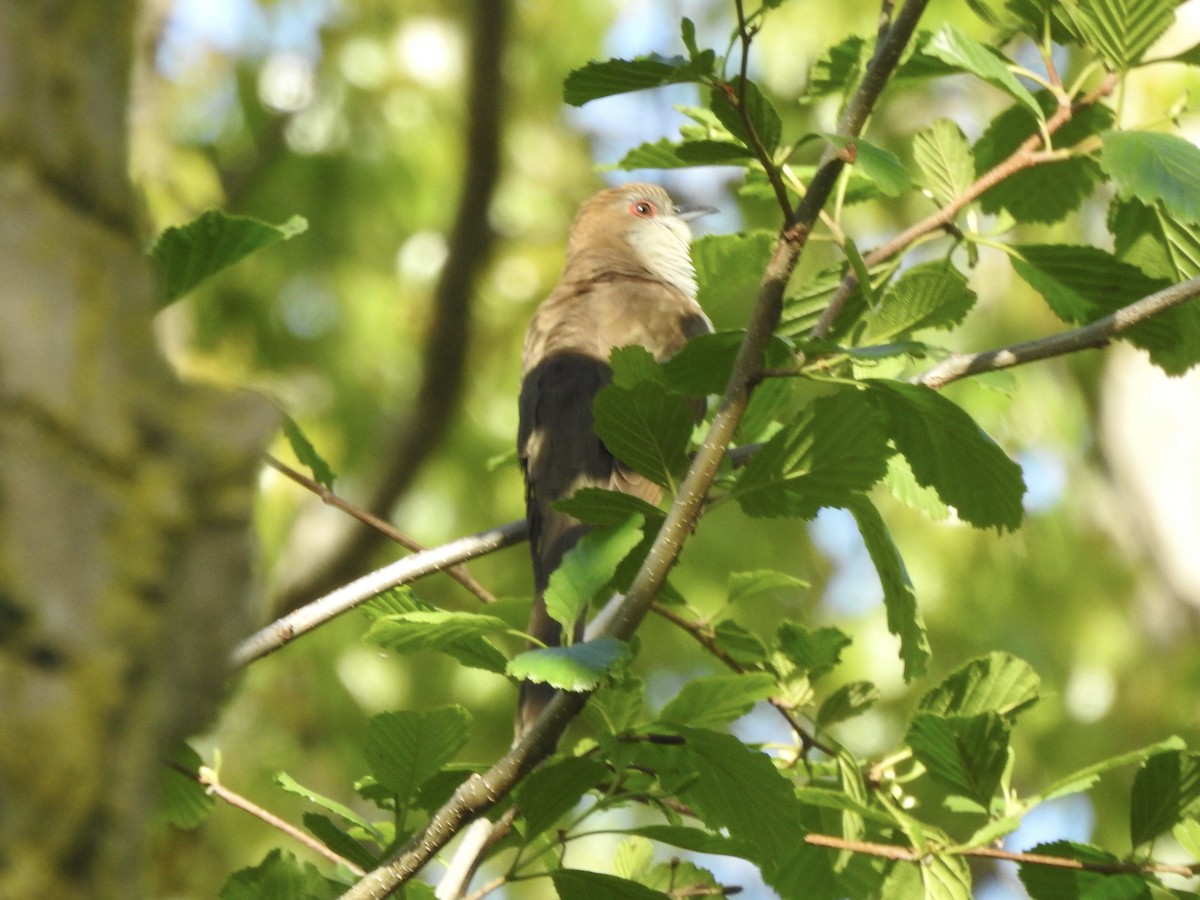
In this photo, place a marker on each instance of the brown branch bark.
(446, 350)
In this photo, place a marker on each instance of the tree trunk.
(125, 497)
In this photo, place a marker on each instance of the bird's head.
(636, 226)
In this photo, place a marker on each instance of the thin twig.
(1094, 335)
(403, 571)
(912, 854)
(328, 497)
(738, 98)
(212, 785)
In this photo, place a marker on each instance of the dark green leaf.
(1161, 246)
(188, 254)
(955, 49)
(1122, 30)
(813, 652)
(703, 365)
(184, 802)
(580, 667)
(598, 506)
(965, 753)
(714, 701)
(280, 876)
(551, 791)
(338, 841)
(646, 426)
(403, 749)
(687, 31)
(1057, 883)
(763, 118)
(835, 448)
(633, 364)
(846, 702)
(693, 839)
(587, 568)
(741, 645)
(1155, 167)
(1047, 192)
(837, 70)
(998, 683)
(944, 156)
(903, 616)
(619, 76)
(949, 452)
(1166, 790)
(1082, 284)
(668, 154)
(577, 884)
(307, 453)
(881, 166)
(929, 295)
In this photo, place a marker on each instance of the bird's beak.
(687, 212)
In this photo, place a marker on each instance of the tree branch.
(403, 571)
(1023, 157)
(481, 792)
(1093, 335)
(328, 497)
(445, 355)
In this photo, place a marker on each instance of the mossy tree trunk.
(125, 496)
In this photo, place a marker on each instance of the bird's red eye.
(643, 209)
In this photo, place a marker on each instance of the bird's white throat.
(662, 247)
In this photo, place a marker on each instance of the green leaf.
(741, 645)
(404, 749)
(1082, 284)
(580, 667)
(814, 652)
(188, 254)
(587, 568)
(289, 784)
(307, 453)
(946, 878)
(1161, 246)
(997, 683)
(687, 31)
(1122, 30)
(703, 365)
(1055, 883)
(396, 626)
(184, 801)
(944, 157)
(837, 70)
(957, 50)
(1047, 192)
(598, 506)
(280, 876)
(617, 705)
(903, 616)
(747, 584)
(552, 790)
(714, 701)
(693, 839)
(835, 448)
(1187, 834)
(903, 485)
(668, 154)
(619, 76)
(929, 295)
(950, 453)
(1166, 790)
(338, 840)
(1084, 778)
(633, 364)
(881, 166)
(966, 753)
(762, 115)
(850, 700)
(1155, 167)
(577, 884)
(729, 268)
(646, 426)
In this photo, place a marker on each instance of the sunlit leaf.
(579, 667)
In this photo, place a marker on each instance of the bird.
(628, 280)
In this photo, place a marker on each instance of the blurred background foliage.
(357, 114)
